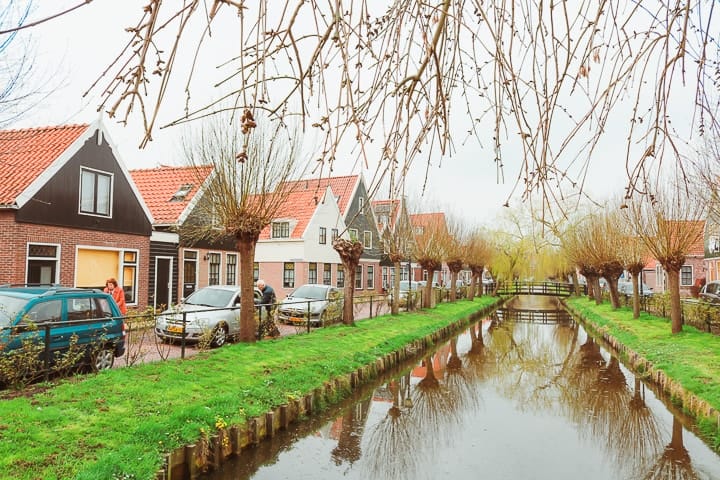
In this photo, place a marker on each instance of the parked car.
(408, 289)
(85, 318)
(211, 313)
(323, 302)
(626, 288)
(710, 292)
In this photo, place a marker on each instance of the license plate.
(296, 320)
(175, 329)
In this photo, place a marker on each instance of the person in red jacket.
(112, 287)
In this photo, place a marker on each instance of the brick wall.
(14, 238)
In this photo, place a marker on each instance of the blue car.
(74, 317)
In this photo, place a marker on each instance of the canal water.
(525, 394)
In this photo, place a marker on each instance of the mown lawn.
(119, 424)
(692, 357)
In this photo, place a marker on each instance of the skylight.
(182, 192)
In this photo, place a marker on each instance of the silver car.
(211, 312)
(322, 302)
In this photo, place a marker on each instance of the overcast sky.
(75, 48)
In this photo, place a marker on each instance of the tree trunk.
(675, 307)
(395, 308)
(636, 295)
(613, 287)
(349, 252)
(428, 296)
(246, 249)
(453, 289)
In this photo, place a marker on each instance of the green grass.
(121, 423)
(691, 357)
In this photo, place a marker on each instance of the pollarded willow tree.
(397, 240)
(251, 164)
(429, 248)
(478, 256)
(539, 82)
(456, 252)
(669, 223)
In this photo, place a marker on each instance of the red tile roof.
(158, 185)
(299, 205)
(342, 187)
(26, 153)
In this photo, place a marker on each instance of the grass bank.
(120, 424)
(691, 359)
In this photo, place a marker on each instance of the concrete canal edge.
(211, 451)
(689, 402)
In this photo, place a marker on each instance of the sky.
(72, 51)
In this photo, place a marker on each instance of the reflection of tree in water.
(638, 438)
(600, 403)
(461, 381)
(674, 463)
(391, 443)
(352, 425)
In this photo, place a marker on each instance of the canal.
(525, 394)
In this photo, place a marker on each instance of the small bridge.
(557, 289)
(534, 316)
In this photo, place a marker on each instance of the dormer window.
(182, 193)
(280, 229)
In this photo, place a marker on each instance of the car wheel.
(103, 359)
(220, 335)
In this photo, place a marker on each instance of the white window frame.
(56, 258)
(220, 267)
(691, 276)
(94, 212)
(280, 224)
(367, 235)
(234, 270)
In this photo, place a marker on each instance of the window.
(182, 192)
(312, 273)
(686, 276)
(340, 276)
(367, 239)
(323, 235)
(95, 192)
(289, 275)
(358, 277)
(334, 234)
(214, 268)
(231, 269)
(425, 275)
(361, 203)
(281, 230)
(385, 278)
(42, 264)
(256, 271)
(327, 273)
(370, 277)
(404, 272)
(129, 280)
(44, 312)
(189, 272)
(353, 234)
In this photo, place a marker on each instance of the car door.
(233, 315)
(33, 324)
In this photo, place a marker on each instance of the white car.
(213, 310)
(626, 288)
(323, 303)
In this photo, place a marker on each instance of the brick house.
(70, 213)
(179, 265)
(692, 270)
(393, 219)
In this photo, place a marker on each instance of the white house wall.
(326, 215)
(279, 250)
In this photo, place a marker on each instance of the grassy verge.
(119, 424)
(691, 358)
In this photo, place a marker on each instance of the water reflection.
(508, 398)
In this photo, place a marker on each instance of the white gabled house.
(296, 248)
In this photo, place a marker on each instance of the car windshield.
(9, 308)
(311, 291)
(211, 297)
(405, 285)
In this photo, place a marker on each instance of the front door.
(163, 282)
